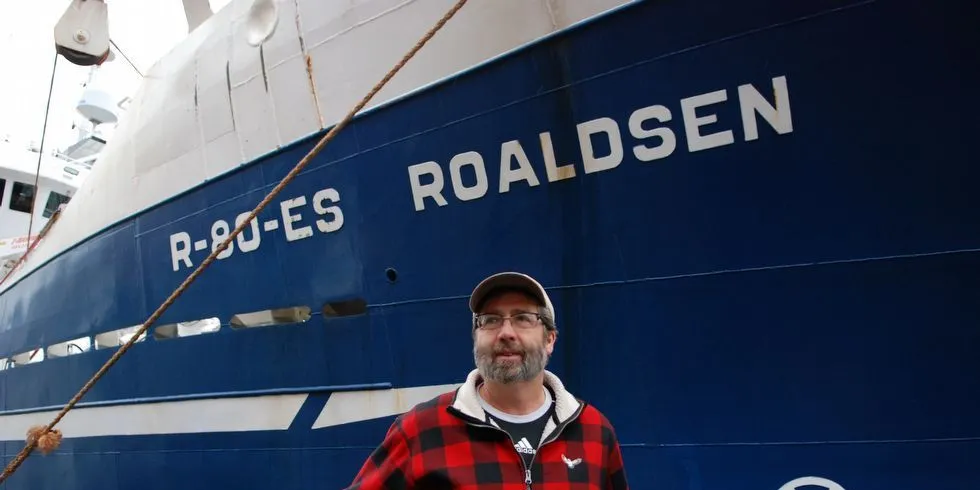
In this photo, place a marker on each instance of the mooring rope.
(48, 438)
(31, 245)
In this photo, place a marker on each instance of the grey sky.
(143, 29)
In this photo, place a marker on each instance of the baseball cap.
(516, 280)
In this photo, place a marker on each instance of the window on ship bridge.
(21, 196)
(54, 201)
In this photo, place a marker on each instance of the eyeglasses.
(490, 321)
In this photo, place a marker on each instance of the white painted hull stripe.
(261, 413)
(357, 406)
(238, 414)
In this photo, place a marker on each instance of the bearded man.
(512, 424)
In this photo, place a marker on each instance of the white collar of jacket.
(467, 399)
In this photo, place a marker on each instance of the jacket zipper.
(524, 466)
(551, 438)
(547, 440)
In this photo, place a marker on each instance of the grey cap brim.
(516, 280)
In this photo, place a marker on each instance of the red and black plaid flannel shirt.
(449, 443)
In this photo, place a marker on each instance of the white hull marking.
(357, 406)
(243, 414)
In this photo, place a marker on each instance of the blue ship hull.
(781, 284)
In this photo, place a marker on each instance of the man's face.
(510, 352)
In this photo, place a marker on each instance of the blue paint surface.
(801, 304)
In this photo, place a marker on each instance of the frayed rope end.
(46, 441)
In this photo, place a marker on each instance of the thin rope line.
(36, 434)
(40, 153)
(131, 64)
(30, 224)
